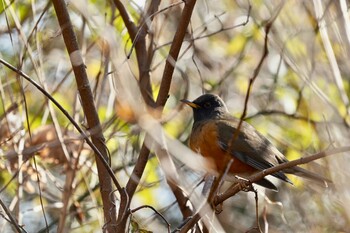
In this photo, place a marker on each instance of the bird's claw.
(244, 184)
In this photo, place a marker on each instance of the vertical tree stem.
(89, 109)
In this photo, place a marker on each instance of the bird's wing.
(249, 146)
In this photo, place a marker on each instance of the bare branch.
(258, 176)
(75, 124)
(138, 37)
(155, 211)
(89, 108)
(11, 218)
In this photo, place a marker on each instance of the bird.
(214, 135)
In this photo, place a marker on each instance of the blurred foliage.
(295, 101)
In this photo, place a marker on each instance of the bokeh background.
(299, 100)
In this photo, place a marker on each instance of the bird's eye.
(207, 105)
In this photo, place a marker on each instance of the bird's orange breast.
(205, 140)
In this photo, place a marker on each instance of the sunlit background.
(299, 101)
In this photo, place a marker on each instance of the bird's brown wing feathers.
(254, 149)
(249, 147)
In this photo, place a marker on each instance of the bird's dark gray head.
(207, 106)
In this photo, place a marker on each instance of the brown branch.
(164, 89)
(258, 227)
(40, 192)
(205, 26)
(174, 52)
(66, 114)
(190, 222)
(130, 26)
(138, 37)
(258, 68)
(89, 109)
(253, 78)
(258, 176)
(161, 100)
(155, 211)
(142, 56)
(74, 123)
(11, 219)
(268, 25)
(181, 199)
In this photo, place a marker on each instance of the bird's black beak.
(189, 103)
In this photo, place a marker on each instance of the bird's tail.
(301, 172)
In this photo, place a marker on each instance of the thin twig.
(12, 219)
(40, 194)
(257, 209)
(155, 211)
(256, 72)
(253, 78)
(66, 114)
(149, 17)
(290, 115)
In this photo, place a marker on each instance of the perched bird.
(213, 136)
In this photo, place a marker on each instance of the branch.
(255, 75)
(163, 96)
(268, 26)
(66, 114)
(11, 219)
(74, 123)
(258, 176)
(164, 89)
(130, 26)
(87, 102)
(190, 222)
(155, 211)
(138, 37)
(161, 100)
(174, 52)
